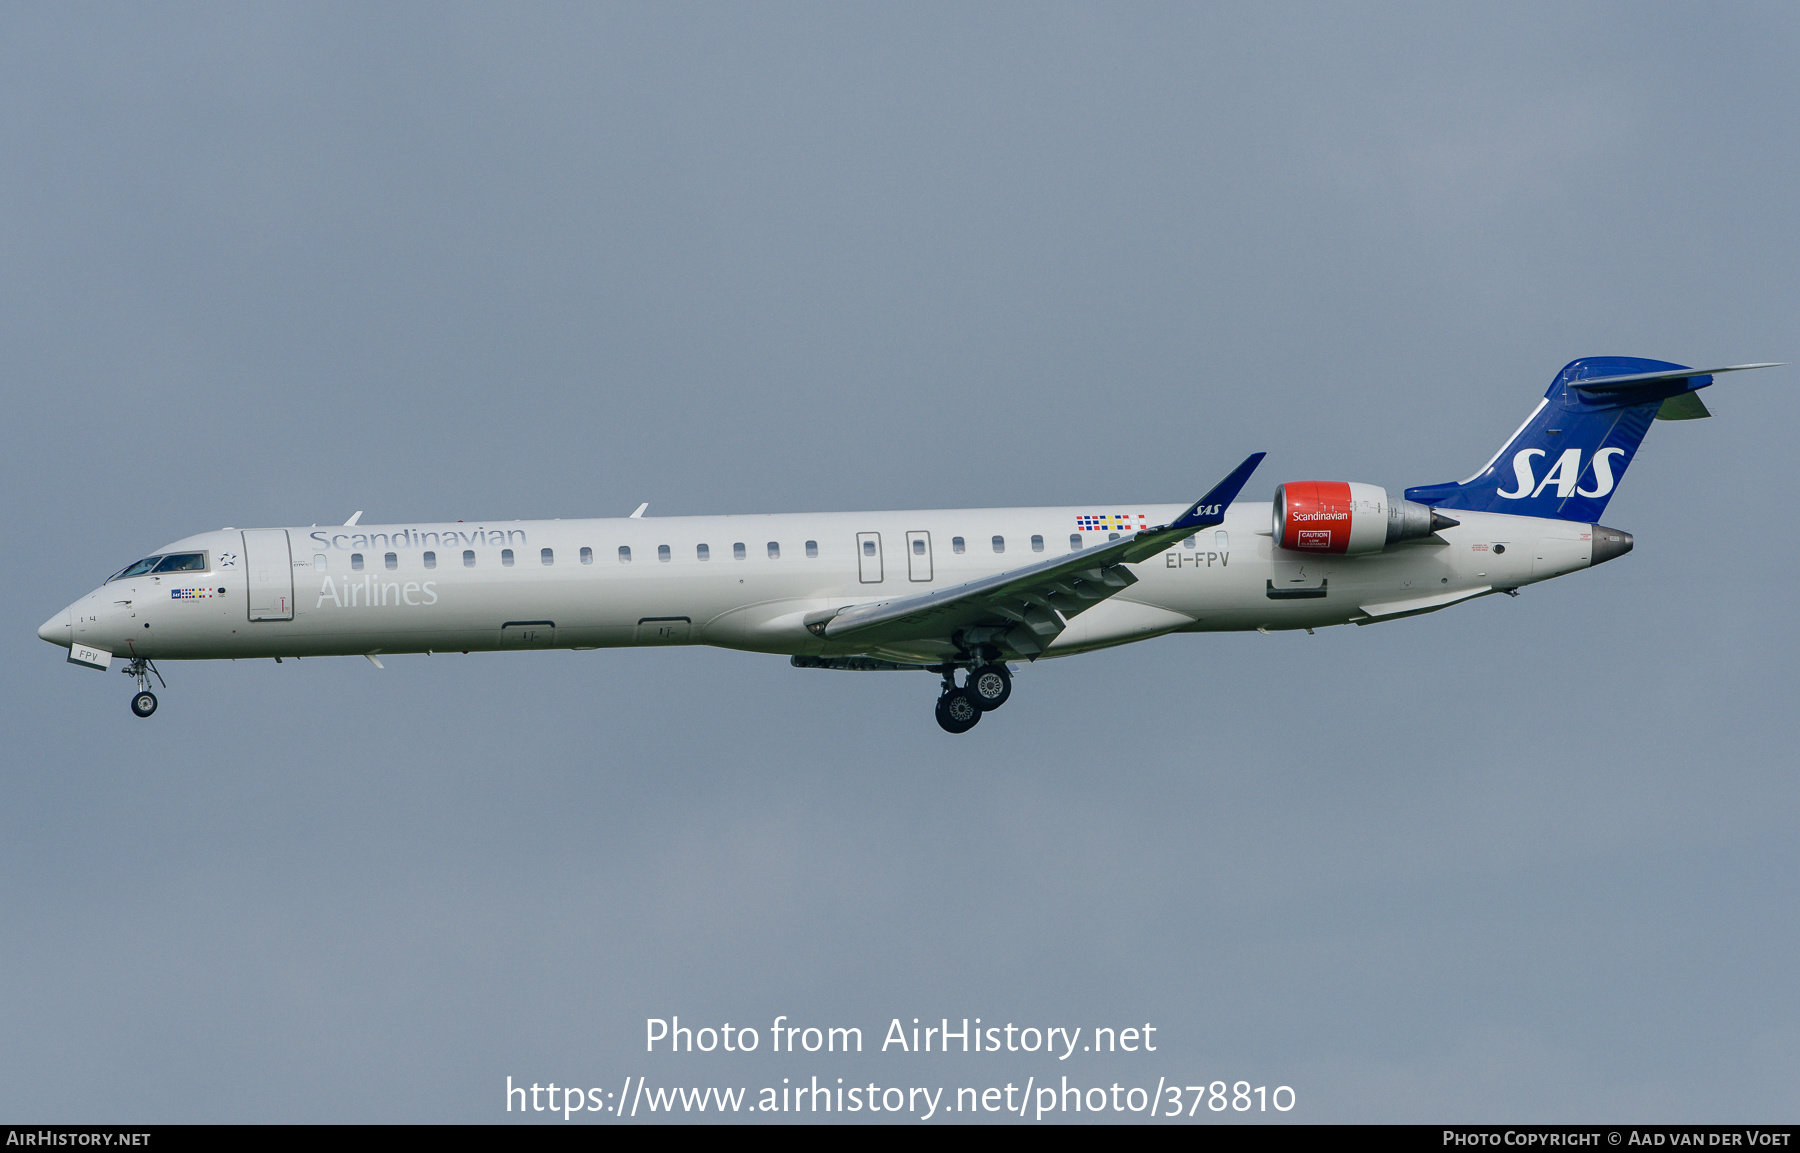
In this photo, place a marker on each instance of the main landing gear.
(986, 688)
(143, 702)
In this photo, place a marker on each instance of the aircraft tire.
(989, 687)
(957, 711)
(144, 703)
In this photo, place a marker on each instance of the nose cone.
(56, 629)
(1609, 543)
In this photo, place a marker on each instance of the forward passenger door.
(269, 574)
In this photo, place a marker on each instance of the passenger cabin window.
(356, 561)
(391, 560)
(999, 544)
(506, 557)
(430, 560)
(319, 561)
(738, 551)
(662, 553)
(702, 552)
(918, 547)
(1074, 542)
(1188, 543)
(812, 548)
(587, 555)
(468, 558)
(774, 551)
(624, 554)
(547, 556)
(1037, 544)
(1222, 541)
(956, 544)
(183, 562)
(1112, 536)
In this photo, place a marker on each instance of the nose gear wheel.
(143, 702)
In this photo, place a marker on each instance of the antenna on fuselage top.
(638, 515)
(354, 517)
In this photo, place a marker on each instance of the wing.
(1021, 611)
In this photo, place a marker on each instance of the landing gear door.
(269, 569)
(868, 557)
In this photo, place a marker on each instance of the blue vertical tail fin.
(1568, 457)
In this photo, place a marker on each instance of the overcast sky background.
(1528, 859)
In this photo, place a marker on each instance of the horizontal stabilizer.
(1613, 383)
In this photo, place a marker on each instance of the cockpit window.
(183, 562)
(138, 569)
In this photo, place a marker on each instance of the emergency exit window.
(918, 548)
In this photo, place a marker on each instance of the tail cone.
(1609, 543)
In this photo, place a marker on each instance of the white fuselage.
(748, 582)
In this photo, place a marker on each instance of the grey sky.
(1525, 859)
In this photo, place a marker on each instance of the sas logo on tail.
(1565, 474)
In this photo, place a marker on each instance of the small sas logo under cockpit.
(189, 594)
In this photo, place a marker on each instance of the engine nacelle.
(1346, 518)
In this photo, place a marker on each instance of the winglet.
(1210, 509)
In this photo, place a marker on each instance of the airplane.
(970, 591)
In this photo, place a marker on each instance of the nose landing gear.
(143, 702)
